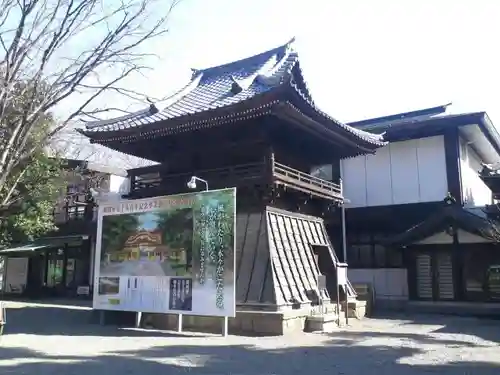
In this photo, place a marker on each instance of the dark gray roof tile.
(214, 88)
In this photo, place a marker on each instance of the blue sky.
(360, 58)
(147, 221)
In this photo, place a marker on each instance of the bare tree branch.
(53, 50)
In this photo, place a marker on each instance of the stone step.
(321, 323)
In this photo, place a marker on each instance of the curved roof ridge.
(269, 65)
(270, 76)
(272, 51)
(150, 110)
(300, 73)
(179, 94)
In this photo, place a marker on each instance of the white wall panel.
(378, 173)
(389, 283)
(404, 163)
(410, 171)
(354, 179)
(433, 183)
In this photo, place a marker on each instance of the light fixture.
(192, 182)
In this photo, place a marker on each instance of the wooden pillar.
(410, 263)
(65, 268)
(457, 267)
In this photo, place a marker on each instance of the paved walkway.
(48, 339)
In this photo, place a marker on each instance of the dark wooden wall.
(276, 265)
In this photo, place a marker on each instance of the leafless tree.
(53, 51)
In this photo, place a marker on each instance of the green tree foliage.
(116, 229)
(32, 186)
(60, 57)
(33, 190)
(176, 227)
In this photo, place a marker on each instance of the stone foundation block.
(355, 309)
(255, 323)
(321, 323)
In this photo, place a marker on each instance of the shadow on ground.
(337, 357)
(345, 352)
(50, 320)
(75, 302)
(483, 327)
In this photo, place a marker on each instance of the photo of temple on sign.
(147, 244)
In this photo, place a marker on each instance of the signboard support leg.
(346, 307)
(225, 326)
(179, 323)
(338, 305)
(102, 317)
(138, 319)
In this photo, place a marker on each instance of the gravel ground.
(59, 340)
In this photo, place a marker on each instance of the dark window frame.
(357, 245)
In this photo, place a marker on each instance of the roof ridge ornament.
(238, 85)
(194, 72)
(270, 77)
(241, 84)
(150, 110)
(449, 199)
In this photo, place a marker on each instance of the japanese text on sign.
(147, 205)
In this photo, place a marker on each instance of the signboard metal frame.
(118, 281)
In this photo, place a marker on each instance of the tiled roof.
(70, 144)
(404, 117)
(440, 220)
(278, 244)
(227, 85)
(404, 125)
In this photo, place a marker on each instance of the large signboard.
(172, 254)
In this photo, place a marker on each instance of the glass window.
(482, 282)
(353, 256)
(70, 272)
(365, 256)
(55, 268)
(394, 257)
(360, 256)
(379, 253)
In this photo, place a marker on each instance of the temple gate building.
(252, 124)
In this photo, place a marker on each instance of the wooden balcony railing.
(156, 180)
(305, 182)
(237, 175)
(69, 213)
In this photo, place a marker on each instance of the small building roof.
(475, 127)
(269, 82)
(71, 145)
(451, 214)
(386, 122)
